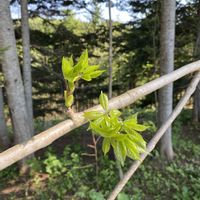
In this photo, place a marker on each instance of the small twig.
(151, 145)
(96, 159)
(83, 167)
(88, 154)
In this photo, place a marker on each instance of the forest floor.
(67, 170)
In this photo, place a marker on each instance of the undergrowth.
(71, 175)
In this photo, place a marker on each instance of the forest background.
(55, 31)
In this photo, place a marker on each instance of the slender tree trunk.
(110, 50)
(12, 75)
(4, 139)
(167, 38)
(196, 110)
(27, 62)
(110, 72)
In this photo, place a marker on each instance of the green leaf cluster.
(74, 72)
(122, 135)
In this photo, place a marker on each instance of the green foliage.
(123, 196)
(73, 73)
(122, 135)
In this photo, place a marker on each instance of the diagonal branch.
(45, 138)
(151, 145)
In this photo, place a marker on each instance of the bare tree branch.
(151, 145)
(45, 138)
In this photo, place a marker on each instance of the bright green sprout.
(122, 135)
(72, 73)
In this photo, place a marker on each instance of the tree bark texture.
(196, 111)
(45, 138)
(12, 75)
(27, 62)
(110, 51)
(110, 72)
(4, 139)
(165, 98)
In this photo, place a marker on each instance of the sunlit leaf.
(89, 69)
(69, 101)
(132, 151)
(82, 62)
(114, 113)
(71, 86)
(103, 99)
(92, 115)
(66, 67)
(119, 152)
(97, 73)
(86, 77)
(106, 145)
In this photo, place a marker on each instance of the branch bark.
(45, 138)
(151, 145)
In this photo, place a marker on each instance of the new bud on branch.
(121, 134)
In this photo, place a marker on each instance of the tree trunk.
(167, 37)
(4, 139)
(196, 110)
(12, 75)
(110, 73)
(27, 62)
(110, 50)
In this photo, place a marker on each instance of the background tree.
(196, 57)
(27, 75)
(167, 39)
(4, 139)
(12, 75)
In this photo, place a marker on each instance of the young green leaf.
(97, 73)
(89, 69)
(71, 61)
(92, 115)
(106, 145)
(66, 67)
(71, 86)
(115, 113)
(82, 62)
(86, 77)
(132, 150)
(119, 152)
(69, 101)
(103, 101)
